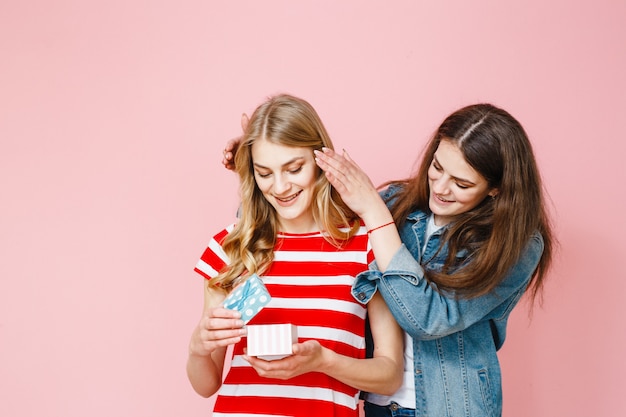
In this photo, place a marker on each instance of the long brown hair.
(496, 231)
(289, 121)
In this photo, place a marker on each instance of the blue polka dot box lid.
(248, 298)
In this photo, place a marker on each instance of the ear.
(493, 193)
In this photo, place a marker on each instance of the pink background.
(113, 115)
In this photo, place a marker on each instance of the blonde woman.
(296, 233)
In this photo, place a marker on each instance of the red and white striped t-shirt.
(309, 282)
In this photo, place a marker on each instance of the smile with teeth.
(442, 199)
(289, 198)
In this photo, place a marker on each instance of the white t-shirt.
(405, 396)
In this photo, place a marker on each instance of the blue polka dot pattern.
(248, 298)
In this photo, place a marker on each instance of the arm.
(358, 192)
(381, 374)
(420, 310)
(218, 328)
(425, 313)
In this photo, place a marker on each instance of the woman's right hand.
(358, 192)
(218, 328)
(229, 153)
(354, 186)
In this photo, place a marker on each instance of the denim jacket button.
(361, 296)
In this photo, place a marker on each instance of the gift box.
(271, 341)
(248, 298)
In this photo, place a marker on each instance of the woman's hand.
(232, 145)
(229, 153)
(354, 186)
(306, 357)
(358, 192)
(218, 328)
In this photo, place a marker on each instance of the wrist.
(376, 215)
(326, 361)
(196, 355)
(193, 353)
(381, 226)
(197, 349)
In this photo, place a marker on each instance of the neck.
(298, 227)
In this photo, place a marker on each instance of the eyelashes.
(438, 168)
(290, 171)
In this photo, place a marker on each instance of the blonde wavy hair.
(289, 121)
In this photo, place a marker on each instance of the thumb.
(305, 348)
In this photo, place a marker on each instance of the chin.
(434, 209)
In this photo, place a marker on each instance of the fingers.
(223, 318)
(228, 154)
(328, 157)
(348, 158)
(212, 341)
(221, 326)
(334, 162)
(330, 163)
(284, 368)
(305, 358)
(229, 151)
(232, 145)
(227, 160)
(343, 167)
(306, 348)
(221, 338)
(340, 170)
(211, 335)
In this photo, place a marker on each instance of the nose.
(281, 185)
(440, 185)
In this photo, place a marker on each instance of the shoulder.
(529, 258)
(213, 259)
(221, 235)
(391, 191)
(534, 247)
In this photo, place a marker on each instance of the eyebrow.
(463, 180)
(291, 161)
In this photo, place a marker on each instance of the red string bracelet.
(380, 227)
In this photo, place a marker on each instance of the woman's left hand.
(352, 183)
(306, 357)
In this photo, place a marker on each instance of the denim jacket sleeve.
(424, 313)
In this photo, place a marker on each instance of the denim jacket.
(457, 372)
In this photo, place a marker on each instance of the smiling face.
(286, 175)
(455, 187)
